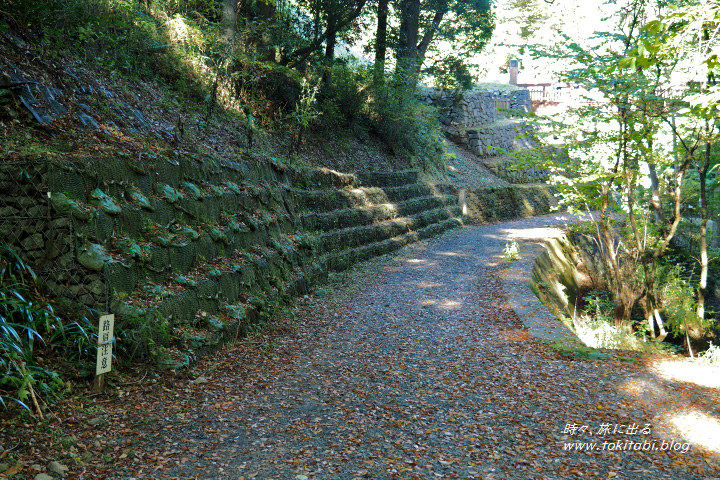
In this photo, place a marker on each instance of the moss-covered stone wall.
(493, 204)
(200, 244)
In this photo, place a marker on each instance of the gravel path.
(426, 373)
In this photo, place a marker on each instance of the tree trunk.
(702, 287)
(655, 202)
(407, 42)
(381, 40)
(330, 42)
(229, 18)
(259, 12)
(331, 39)
(428, 36)
(613, 267)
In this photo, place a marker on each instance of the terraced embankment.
(202, 247)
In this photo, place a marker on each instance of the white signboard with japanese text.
(105, 338)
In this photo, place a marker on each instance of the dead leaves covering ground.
(423, 374)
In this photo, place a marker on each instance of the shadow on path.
(427, 373)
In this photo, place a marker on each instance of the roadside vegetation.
(644, 163)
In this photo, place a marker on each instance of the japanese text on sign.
(105, 337)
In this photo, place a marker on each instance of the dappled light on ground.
(533, 233)
(697, 372)
(540, 233)
(640, 388)
(699, 428)
(415, 260)
(682, 394)
(450, 304)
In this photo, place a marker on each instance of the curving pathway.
(427, 372)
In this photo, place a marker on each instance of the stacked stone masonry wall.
(482, 120)
(204, 243)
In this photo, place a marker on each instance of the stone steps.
(507, 168)
(348, 217)
(388, 210)
(389, 179)
(493, 204)
(342, 260)
(309, 179)
(378, 232)
(325, 201)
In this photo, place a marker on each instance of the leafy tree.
(338, 16)
(638, 134)
(465, 26)
(688, 35)
(532, 14)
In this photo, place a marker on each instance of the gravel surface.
(425, 373)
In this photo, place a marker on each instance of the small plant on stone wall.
(600, 305)
(142, 337)
(511, 252)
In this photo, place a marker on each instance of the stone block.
(96, 287)
(9, 212)
(88, 300)
(33, 242)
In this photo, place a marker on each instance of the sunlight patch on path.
(545, 233)
(415, 260)
(703, 374)
(699, 428)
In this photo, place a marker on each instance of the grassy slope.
(155, 62)
(174, 122)
(467, 170)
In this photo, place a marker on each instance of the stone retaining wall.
(202, 245)
(481, 119)
(503, 203)
(474, 108)
(518, 100)
(505, 168)
(462, 111)
(495, 139)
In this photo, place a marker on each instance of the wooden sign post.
(104, 354)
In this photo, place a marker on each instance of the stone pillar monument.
(513, 71)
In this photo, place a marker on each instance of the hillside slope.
(62, 106)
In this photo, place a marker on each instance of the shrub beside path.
(424, 372)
